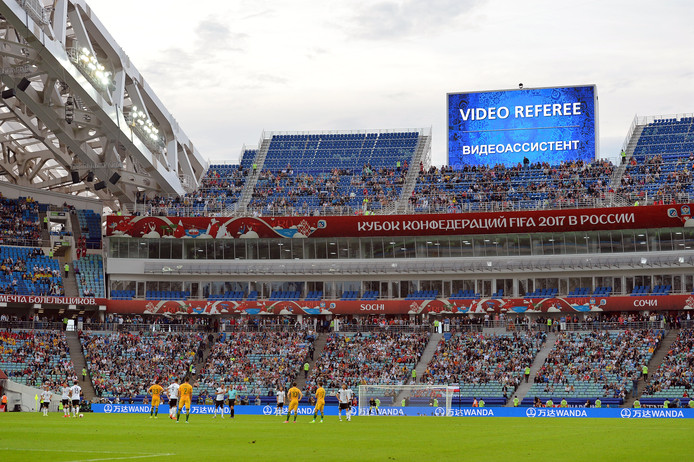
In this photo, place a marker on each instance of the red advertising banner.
(652, 216)
(82, 301)
(403, 307)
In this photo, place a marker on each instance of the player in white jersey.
(344, 397)
(172, 393)
(76, 390)
(219, 400)
(45, 400)
(65, 399)
(281, 395)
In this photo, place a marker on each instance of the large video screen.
(507, 126)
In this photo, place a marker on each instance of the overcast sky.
(227, 70)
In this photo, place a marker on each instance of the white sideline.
(137, 456)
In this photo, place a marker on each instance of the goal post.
(429, 399)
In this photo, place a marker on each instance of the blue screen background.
(513, 130)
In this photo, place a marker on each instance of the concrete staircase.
(80, 363)
(524, 388)
(251, 180)
(616, 180)
(70, 283)
(653, 364)
(318, 347)
(422, 154)
(45, 234)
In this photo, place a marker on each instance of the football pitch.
(106, 437)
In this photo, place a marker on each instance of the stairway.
(654, 363)
(80, 363)
(318, 347)
(616, 180)
(422, 154)
(539, 361)
(70, 283)
(45, 234)
(251, 181)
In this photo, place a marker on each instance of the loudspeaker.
(114, 178)
(23, 84)
(7, 94)
(75, 177)
(90, 176)
(100, 185)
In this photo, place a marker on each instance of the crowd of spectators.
(19, 222)
(31, 269)
(567, 184)
(476, 358)
(376, 358)
(125, 364)
(220, 187)
(255, 362)
(664, 182)
(677, 369)
(36, 358)
(611, 359)
(310, 192)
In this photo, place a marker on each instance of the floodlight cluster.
(93, 67)
(140, 120)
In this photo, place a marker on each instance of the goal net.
(418, 399)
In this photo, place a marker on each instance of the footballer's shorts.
(320, 405)
(172, 402)
(345, 406)
(218, 403)
(232, 401)
(184, 402)
(44, 405)
(66, 402)
(156, 401)
(293, 405)
(75, 402)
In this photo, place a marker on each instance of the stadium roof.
(77, 117)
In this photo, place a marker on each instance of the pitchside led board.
(505, 126)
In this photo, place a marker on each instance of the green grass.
(102, 437)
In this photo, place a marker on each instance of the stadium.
(527, 288)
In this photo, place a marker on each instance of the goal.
(411, 399)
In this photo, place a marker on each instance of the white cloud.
(228, 70)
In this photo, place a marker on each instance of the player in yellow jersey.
(295, 396)
(185, 398)
(320, 402)
(155, 390)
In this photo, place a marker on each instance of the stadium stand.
(674, 378)
(367, 358)
(19, 222)
(485, 366)
(35, 358)
(254, 362)
(124, 364)
(534, 186)
(90, 276)
(27, 271)
(90, 226)
(357, 171)
(660, 168)
(588, 365)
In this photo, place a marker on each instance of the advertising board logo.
(672, 212)
(440, 412)
(267, 410)
(685, 210)
(625, 414)
(530, 412)
(108, 408)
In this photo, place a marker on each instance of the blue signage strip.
(505, 127)
(531, 412)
